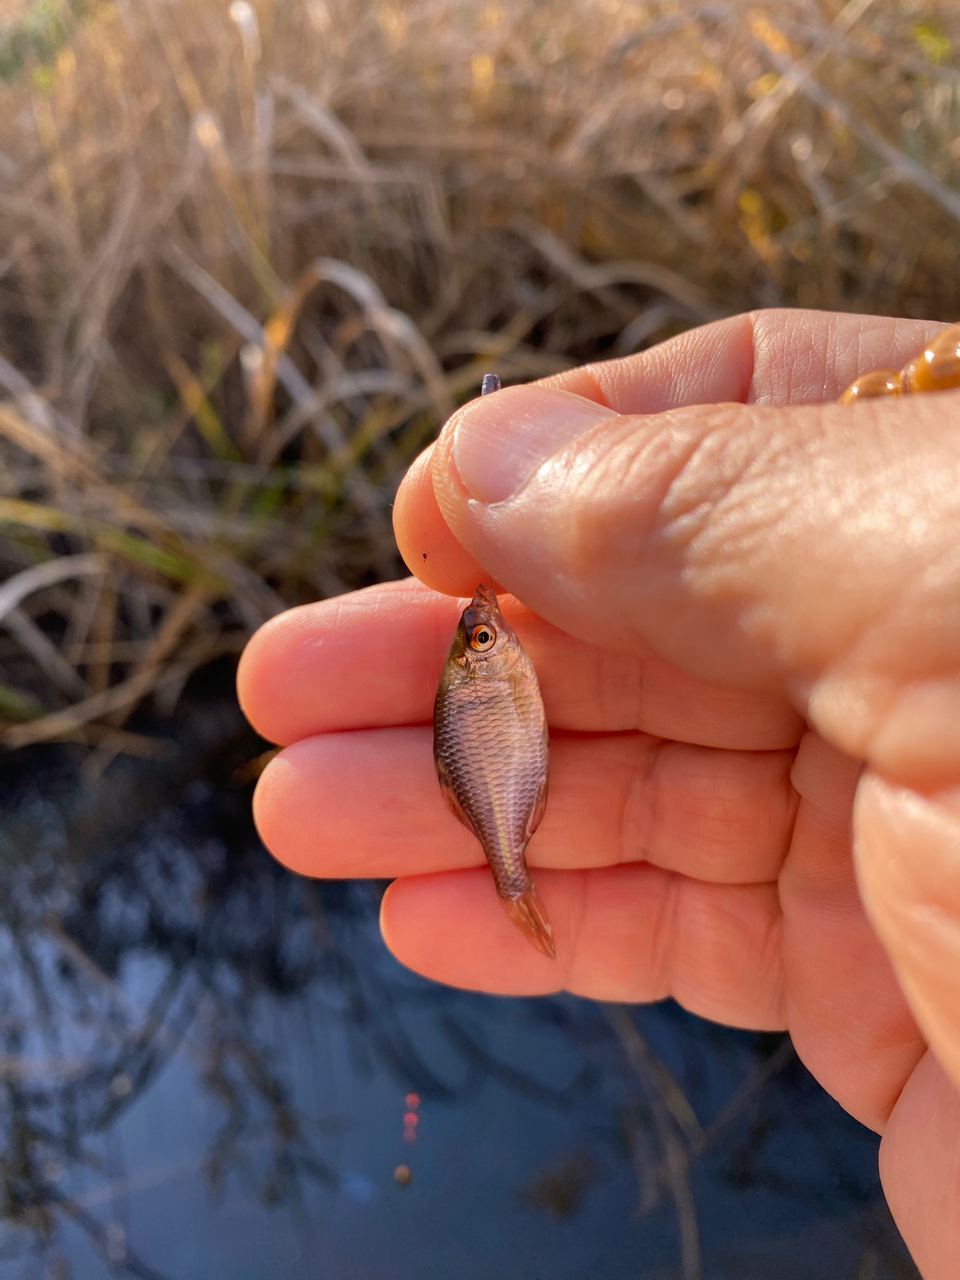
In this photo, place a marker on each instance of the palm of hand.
(696, 842)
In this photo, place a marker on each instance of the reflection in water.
(211, 1067)
(560, 1189)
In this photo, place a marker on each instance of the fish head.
(485, 644)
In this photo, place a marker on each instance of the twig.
(45, 574)
(122, 697)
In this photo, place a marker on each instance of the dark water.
(206, 1065)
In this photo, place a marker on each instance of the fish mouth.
(485, 596)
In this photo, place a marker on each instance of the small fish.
(490, 745)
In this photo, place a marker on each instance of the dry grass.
(252, 254)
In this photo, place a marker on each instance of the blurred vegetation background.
(252, 254)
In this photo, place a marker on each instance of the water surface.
(213, 1068)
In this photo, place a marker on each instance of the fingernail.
(501, 440)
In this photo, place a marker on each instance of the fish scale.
(491, 751)
(496, 797)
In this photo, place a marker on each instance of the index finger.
(765, 357)
(373, 658)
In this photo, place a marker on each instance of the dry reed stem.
(122, 697)
(249, 265)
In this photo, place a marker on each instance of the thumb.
(806, 548)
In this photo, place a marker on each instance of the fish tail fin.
(527, 913)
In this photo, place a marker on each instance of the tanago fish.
(490, 743)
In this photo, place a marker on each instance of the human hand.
(746, 623)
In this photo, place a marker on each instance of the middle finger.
(367, 804)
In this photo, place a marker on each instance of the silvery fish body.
(491, 751)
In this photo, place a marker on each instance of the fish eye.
(482, 638)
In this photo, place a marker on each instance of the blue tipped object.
(490, 383)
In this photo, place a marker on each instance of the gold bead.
(881, 382)
(938, 367)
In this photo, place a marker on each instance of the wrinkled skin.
(743, 603)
